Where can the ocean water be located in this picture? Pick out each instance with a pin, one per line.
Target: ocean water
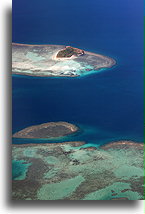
(106, 105)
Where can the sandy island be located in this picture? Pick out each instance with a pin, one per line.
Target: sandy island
(47, 130)
(56, 60)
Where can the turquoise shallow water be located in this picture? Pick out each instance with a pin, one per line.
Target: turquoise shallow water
(106, 194)
(90, 134)
(67, 171)
(19, 169)
(107, 105)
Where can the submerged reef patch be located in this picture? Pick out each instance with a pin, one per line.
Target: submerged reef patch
(67, 171)
(56, 61)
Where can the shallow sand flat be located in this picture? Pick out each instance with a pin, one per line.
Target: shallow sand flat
(67, 171)
(47, 130)
(40, 60)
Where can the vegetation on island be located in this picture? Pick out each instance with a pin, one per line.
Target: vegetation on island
(70, 51)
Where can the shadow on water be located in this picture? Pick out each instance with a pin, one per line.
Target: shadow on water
(8, 129)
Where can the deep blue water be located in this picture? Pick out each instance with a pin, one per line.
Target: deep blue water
(108, 105)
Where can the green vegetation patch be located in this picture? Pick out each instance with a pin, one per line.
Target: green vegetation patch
(68, 52)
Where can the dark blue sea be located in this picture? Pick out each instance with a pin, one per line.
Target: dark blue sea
(107, 106)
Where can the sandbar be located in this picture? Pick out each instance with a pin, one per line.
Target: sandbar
(56, 61)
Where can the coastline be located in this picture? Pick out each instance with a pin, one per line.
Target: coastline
(103, 56)
(109, 145)
(72, 143)
(40, 75)
(58, 67)
(125, 144)
(47, 130)
(31, 45)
